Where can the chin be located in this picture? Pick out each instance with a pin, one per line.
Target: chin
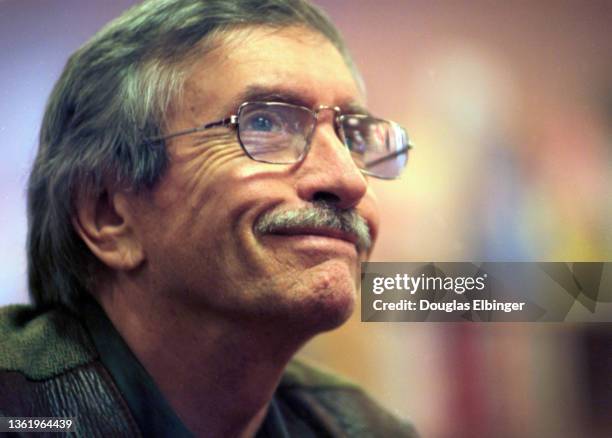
(329, 298)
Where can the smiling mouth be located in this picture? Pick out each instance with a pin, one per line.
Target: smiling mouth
(318, 231)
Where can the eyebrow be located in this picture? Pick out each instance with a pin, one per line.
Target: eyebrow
(259, 93)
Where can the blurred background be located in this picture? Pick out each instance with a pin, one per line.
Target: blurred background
(510, 106)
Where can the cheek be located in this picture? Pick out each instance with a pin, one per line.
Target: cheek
(368, 208)
(215, 195)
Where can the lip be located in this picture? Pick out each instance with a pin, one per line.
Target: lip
(318, 231)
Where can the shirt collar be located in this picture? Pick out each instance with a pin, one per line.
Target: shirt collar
(152, 412)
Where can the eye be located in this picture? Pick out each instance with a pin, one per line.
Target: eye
(354, 134)
(263, 122)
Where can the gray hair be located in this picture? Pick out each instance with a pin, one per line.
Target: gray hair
(112, 97)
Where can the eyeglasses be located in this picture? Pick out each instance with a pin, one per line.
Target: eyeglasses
(281, 133)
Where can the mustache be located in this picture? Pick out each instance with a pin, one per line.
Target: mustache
(319, 214)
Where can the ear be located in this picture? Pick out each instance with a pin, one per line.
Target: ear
(105, 223)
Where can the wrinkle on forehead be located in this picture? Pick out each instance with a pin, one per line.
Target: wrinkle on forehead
(234, 37)
(237, 58)
(303, 35)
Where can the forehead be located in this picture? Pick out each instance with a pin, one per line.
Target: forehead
(293, 61)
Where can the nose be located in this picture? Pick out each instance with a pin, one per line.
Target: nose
(328, 173)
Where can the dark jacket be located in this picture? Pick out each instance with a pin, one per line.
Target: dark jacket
(49, 367)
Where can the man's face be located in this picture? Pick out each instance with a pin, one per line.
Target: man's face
(197, 225)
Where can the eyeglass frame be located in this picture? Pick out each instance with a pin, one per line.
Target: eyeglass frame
(232, 121)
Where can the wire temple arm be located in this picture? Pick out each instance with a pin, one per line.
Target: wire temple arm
(390, 156)
(232, 120)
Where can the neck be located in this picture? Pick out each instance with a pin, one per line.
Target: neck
(218, 374)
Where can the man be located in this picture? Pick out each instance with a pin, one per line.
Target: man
(198, 209)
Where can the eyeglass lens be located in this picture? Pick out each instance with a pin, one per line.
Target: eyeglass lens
(279, 133)
(274, 133)
(378, 146)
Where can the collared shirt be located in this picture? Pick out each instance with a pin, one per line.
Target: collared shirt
(152, 412)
